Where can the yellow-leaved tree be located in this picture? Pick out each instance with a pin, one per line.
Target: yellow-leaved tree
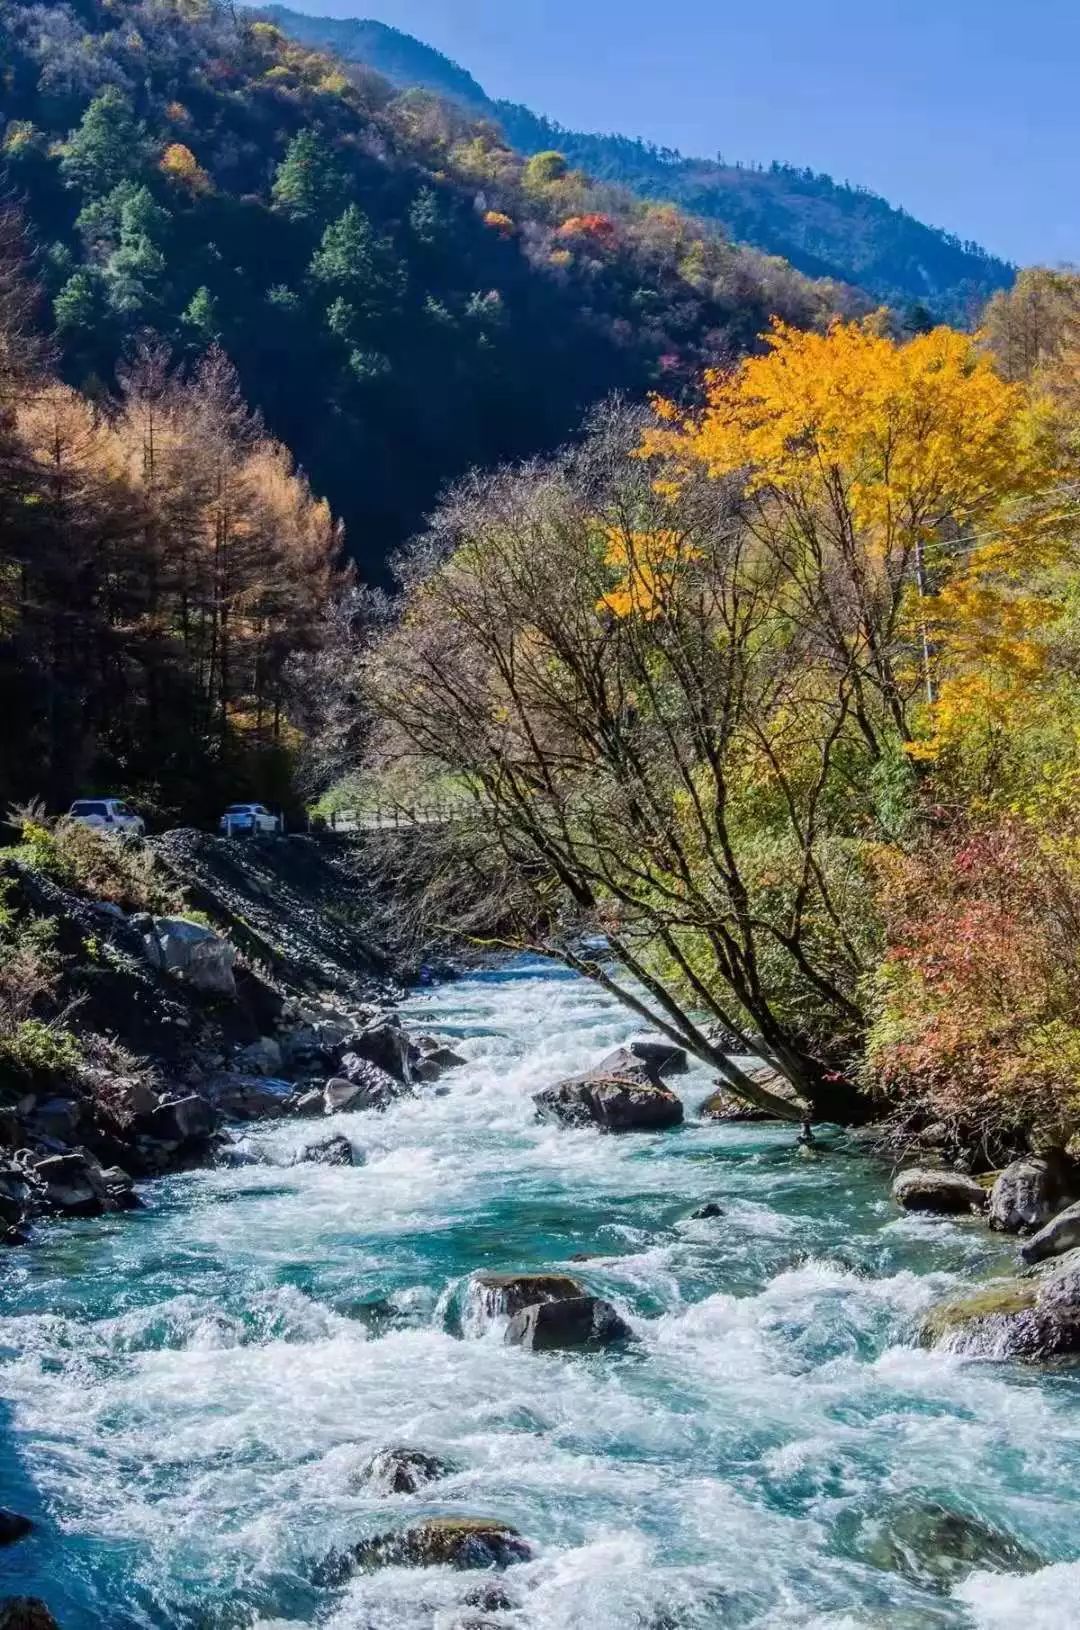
(892, 483)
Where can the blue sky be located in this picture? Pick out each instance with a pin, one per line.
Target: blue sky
(966, 112)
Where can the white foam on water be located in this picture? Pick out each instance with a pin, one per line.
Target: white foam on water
(194, 1395)
(1047, 1600)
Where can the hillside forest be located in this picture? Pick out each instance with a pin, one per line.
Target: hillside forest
(769, 676)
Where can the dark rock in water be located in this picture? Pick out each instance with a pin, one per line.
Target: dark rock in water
(454, 1542)
(67, 1186)
(642, 1061)
(944, 1192)
(360, 1086)
(13, 1526)
(1036, 1317)
(25, 1613)
(708, 1210)
(501, 1295)
(936, 1545)
(1028, 1193)
(309, 1103)
(1061, 1234)
(613, 1103)
(490, 1598)
(384, 1044)
(431, 1065)
(333, 1151)
(581, 1321)
(402, 1471)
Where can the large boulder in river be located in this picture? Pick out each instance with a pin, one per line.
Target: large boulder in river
(501, 1295)
(25, 1613)
(577, 1321)
(1034, 1317)
(1060, 1234)
(439, 1542)
(614, 1103)
(1028, 1193)
(335, 1150)
(948, 1193)
(401, 1471)
(642, 1061)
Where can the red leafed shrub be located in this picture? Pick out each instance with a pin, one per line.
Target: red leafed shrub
(977, 1003)
(600, 229)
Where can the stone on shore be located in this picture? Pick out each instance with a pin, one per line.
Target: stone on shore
(1029, 1192)
(945, 1193)
(191, 953)
(1060, 1234)
(384, 1044)
(1034, 1318)
(578, 1321)
(262, 1057)
(360, 1086)
(613, 1103)
(249, 1097)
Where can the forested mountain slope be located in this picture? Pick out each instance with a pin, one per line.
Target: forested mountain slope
(825, 228)
(403, 296)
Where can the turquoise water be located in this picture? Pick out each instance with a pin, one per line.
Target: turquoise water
(186, 1395)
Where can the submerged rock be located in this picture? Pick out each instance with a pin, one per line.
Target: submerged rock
(501, 1295)
(1061, 1234)
(937, 1545)
(579, 1321)
(704, 1213)
(13, 1526)
(402, 1471)
(613, 1103)
(434, 1062)
(332, 1151)
(25, 1613)
(1028, 1193)
(944, 1192)
(1035, 1317)
(449, 1542)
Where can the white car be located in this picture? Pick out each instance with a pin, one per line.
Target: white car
(107, 815)
(247, 819)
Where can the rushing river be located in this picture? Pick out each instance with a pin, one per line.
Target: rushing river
(187, 1394)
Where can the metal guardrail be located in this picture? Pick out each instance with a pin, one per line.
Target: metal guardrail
(391, 818)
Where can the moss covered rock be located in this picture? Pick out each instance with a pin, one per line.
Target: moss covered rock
(438, 1542)
(1036, 1317)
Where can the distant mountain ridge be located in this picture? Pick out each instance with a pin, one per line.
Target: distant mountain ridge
(823, 227)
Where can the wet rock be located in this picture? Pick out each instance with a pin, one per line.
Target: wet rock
(332, 1151)
(384, 1044)
(937, 1545)
(13, 1526)
(182, 1121)
(360, 1086)
(1028, 1193)
(708, 1210)
(613, 1103)
(491, 1598)
(455, 1542)
(643, 1061)
(946, 1193)
(192, 953)
(580, 1321)
(1036, 1317)
(430, 1065)
(311, 1102)
(262, 1057)
(68, 1190)
(248, 1097)
(402, 1471)
(25, 1613)
(1061, 1234)
(722, 1105)
(501, 1295)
